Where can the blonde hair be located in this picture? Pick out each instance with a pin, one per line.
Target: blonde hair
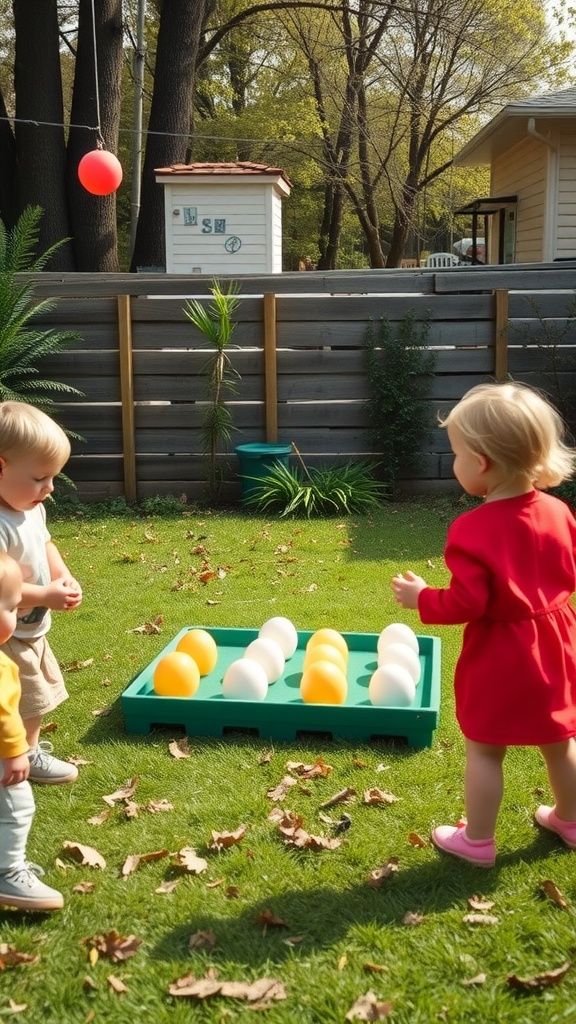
(515, 427)
(27, 430)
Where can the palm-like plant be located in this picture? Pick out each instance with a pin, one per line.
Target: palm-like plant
(216, 323)
(22, 344)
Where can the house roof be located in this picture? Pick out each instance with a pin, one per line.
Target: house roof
(238, 167)
(510, 125)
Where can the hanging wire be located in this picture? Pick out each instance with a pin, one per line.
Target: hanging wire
(100, 144)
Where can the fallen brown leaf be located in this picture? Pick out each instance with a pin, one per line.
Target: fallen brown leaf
(157, 806)
(78, 761)
(16, 1007)
(480, 919)
(131, 809)
(412, 919)
(101, 712)
(232, 892)
(342, 962)
(202, 988)
(215, 884)
(116, 984)
(345, 796)
(148, 627)
(85, 854)
(10, 957)
(186, 858)
(479, 979)
(84, 887)
(75, 666)
(553, 893)
(539, 981)
(378, 876)
(280, 791)
(415, 840)
(309, 771)
(99, 819)
(221, 840)
(478, 903)
(367, 1007)
(266, 758)
(359, 764)
(124, 793)
(379, 796)
(49, 727)
(268, 919)
(166, 887)
(134, 860)
(374, 968)
(179, 748)
(201, 939)
(113, 946)
(89, 984)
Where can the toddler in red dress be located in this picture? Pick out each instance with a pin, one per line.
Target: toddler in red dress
(512, 561)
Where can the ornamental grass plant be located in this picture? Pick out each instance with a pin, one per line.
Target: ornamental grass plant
(262, 908)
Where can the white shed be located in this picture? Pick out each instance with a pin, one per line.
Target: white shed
(223, 218)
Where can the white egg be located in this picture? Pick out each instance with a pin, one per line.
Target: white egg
(391, 686)
(269, 654)
(398, 633)
(402, 654)
(283, 632)
(245, 679)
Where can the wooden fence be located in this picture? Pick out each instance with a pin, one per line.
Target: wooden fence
(299, 350)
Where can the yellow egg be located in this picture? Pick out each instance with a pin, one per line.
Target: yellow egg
(176, 675)
(323, 683)
(325, 652)
(329, 636)
(201, 646)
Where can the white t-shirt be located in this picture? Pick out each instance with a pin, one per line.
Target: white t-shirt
(23, 536)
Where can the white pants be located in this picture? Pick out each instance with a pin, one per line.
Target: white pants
(16, 813)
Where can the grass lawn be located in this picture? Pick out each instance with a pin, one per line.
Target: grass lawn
(340, 938)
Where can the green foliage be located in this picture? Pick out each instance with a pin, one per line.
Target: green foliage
(216, 323)
(400, 368)
(349, 489)
(22, 346)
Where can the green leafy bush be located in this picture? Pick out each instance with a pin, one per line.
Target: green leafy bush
(350, 489)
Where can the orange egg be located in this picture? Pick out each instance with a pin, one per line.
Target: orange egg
(323, 683)
(176, 675)
(329, 636)
(201, 646)
(324, 652)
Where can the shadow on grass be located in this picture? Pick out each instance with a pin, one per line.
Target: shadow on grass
(323, 916)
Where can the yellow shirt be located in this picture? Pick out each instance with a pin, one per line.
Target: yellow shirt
(12, 733)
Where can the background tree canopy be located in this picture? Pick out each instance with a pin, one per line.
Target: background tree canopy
(362, 102)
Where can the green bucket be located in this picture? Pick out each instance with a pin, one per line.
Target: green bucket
(256, 462)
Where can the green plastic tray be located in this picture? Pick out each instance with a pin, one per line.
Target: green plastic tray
(283, 715)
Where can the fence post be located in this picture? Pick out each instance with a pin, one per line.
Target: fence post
(127, 397)
(270, 368)
(501, 334)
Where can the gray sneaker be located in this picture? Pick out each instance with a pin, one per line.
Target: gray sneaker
(47, 769)
(21, 888)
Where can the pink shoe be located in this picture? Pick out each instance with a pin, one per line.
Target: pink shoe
(451, 839)
(547, 818)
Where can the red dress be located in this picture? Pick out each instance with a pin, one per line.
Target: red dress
(513, 566)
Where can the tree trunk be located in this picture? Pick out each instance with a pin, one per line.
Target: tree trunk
(331, 228)
(402, 223)
(179, 34)
(93, 218)
(40, 148)
(8, 196)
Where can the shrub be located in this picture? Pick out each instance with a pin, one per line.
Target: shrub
(350, 489)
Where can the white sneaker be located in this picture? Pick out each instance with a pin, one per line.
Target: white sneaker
(21, 888)
(47, 769)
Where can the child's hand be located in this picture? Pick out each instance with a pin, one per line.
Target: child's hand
(407, 588)
(62, 595)
(16, 769)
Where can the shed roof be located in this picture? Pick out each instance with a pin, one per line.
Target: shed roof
(238, 167)
(510, 125)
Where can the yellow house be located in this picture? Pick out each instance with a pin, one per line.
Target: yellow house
(530, 214)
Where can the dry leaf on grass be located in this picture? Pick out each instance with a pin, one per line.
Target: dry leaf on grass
(102, 712)
(84, 887)
(268, 919)
(179, 748)
(49, 727)
(134, 860)
(166, 887)
(88, 984)
(148, 627)
(201, 988)
(16, 1007)
(415, 840)
(310, 771)
(85, 854)
(378, 876)
(186, 858)
(99, 819)
(368, 1007)
(157, 806)
(115, 947)
(345, 796)
(479, 979)
(411, 919)
(379, 796)
(481, 919)
(553, 893)
(202, 939)
(215, 884)
(10, 957)
(116, 984)
(221, 840)
(374, 968)
(478, 903)
(539, 981)
(124, 793)
(131, 809)
(359, 764)
(280, 791)
(232, 892)
(342, 962)
(78, 761)
(75, 666)
(266, 758)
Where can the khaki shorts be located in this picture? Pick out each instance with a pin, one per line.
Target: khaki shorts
(42, 682)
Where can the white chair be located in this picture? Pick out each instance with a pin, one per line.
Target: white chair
(442, 259)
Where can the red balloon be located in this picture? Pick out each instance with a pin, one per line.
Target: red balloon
(100, 172)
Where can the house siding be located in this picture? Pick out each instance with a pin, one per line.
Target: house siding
(566, 209)
(523, 171)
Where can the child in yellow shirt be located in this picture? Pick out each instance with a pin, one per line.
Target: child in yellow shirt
(20, 886)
